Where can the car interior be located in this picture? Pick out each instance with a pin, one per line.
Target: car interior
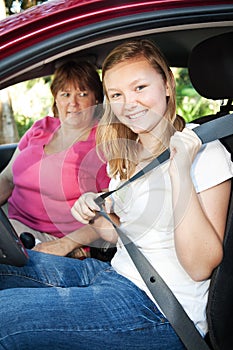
(203, 62)
(203, 52)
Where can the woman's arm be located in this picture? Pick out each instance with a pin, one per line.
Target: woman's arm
(199, 218)
(6, 180)
(62, 246)
(100, 228)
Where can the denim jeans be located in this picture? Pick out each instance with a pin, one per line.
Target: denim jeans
(61, 303)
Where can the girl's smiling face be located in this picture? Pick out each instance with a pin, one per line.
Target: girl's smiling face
(137, 94)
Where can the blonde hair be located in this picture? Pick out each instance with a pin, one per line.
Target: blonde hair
(114, 138)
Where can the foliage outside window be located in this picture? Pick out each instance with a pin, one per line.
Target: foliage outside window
(190, 105)
(37, 102)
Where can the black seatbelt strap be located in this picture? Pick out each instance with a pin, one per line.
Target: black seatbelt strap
(152, 165)
(210, 131)
(215, 129)
(166, 300)
(162, 294)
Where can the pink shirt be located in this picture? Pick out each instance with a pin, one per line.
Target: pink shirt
(46, 186)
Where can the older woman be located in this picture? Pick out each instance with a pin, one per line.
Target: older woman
(56, 161)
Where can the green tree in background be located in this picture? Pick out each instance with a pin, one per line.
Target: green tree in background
(190, 105)
(16, 6)
(38, 100)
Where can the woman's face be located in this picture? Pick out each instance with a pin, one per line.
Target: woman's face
(75, 106)
(137, 94)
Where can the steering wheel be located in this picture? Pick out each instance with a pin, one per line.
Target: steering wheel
(12, 250)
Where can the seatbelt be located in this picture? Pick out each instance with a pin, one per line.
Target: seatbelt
(164, 297)
(210, 131)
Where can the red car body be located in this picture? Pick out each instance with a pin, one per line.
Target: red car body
(39, 23)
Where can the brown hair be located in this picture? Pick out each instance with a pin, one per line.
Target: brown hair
(81, 73)
(114, 137)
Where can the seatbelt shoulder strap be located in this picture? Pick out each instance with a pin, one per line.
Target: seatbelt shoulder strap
(210, 131)
(172, 309)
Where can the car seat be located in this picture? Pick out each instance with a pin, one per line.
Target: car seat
(210, 70)
(211, 73)
(6, 152)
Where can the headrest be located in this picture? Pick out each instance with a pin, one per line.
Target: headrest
(211, 67)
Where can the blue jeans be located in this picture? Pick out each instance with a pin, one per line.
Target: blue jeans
(61, 303)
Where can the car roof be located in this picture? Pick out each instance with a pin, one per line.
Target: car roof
(35, 41)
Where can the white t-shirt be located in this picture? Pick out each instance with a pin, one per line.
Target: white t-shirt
(145, 211)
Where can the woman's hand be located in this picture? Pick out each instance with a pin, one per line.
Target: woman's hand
(59, 247)
(184, 147)
(85, 208)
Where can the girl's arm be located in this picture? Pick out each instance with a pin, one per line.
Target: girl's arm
(199, 218)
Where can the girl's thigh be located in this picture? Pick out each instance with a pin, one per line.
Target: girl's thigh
(46, 270)
(109, 313)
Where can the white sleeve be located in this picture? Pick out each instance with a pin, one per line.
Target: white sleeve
(211, 166)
